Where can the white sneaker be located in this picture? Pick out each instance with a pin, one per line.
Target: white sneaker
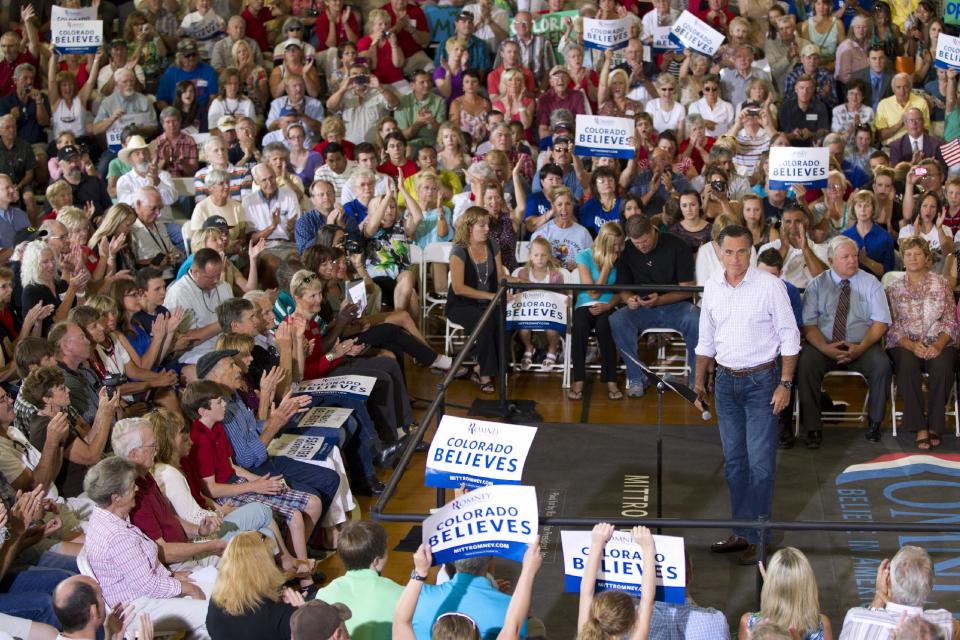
(635, 389)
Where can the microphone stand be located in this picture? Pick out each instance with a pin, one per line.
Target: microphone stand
(681, 390)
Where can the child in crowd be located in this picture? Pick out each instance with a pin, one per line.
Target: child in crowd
(542, 268)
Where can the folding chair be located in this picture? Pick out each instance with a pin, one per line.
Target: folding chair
(834, 416)
(952, 400)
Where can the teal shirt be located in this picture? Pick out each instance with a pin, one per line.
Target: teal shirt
(371, 599)
(585, 258)
(951, 127)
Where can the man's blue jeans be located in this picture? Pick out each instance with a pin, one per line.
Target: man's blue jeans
(28, 593)
(627, 324)
(749, 433)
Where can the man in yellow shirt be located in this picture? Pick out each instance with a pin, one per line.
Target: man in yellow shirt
(889, 120)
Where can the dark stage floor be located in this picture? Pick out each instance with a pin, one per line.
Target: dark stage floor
(592, 470)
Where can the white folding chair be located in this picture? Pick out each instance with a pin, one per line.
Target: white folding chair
(952, 400)
(667, 363)
(435, 252)
(834, 416)
(523, 251)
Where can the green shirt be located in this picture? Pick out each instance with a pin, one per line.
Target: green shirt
(115, 169)
(371, 599)
(951, 128)
(406, 115)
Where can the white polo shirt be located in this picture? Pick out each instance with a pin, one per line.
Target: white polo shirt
(201, 308)
(258, 212)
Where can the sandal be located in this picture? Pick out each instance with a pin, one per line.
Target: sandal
(925, 443)
(549, 362)
(575, 393)
(614, 393)
(934, 439)
(486, 387)
(463, 373)
(527, 361)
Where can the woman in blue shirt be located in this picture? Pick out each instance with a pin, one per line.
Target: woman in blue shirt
(876, 244)
(597, 265)
(604, 206)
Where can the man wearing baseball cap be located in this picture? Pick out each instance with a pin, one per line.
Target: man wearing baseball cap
(478, 50)
(559, 96)
(810, 65)
(188, 67)
(318, 620)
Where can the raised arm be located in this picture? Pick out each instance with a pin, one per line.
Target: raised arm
(643, 537)
(602, 533)
(407, 604)
(520, 601)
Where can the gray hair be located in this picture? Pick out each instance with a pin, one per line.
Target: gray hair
(141, 194)
(212, 141)
(694, 120)
(474, 566)
(22, 68)
(122, 72)
(911, 576)
(110, 477)
(359, 174)
(30, 262)
(126, 436)
(836, 242)
(216, 176)
(276, 147)
(860, 18)
(480, 171)
(261, 167)
(169, 112)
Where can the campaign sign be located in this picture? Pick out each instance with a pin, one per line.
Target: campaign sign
(807, 166)
(662, 40)
(606, 34)
(621, 566)
(352, 386)
(538, 311)
(499, 520)
(951, 12)
(476, 453)
(692, 32)
(77, 36)
(549, 25)
(948, 53)
(324, 417)
(61, 14)
(308, 448)
(604, 137)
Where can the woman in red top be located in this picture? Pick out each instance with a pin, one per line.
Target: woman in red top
(381, 50)
(336, 25)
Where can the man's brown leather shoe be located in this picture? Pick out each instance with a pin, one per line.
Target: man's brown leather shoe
(730, 545)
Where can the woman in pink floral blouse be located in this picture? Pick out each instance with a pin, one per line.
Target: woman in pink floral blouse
(922, 340)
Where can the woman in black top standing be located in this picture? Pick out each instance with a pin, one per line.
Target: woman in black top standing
(247, 602)
(475, 271)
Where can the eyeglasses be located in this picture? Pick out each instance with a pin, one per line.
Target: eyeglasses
(134, 293)
(711, 89)
(838, 187)
(189, 55)
(561, 149)
(295, 29)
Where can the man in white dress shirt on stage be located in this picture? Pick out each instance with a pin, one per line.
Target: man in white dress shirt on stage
(748, 327)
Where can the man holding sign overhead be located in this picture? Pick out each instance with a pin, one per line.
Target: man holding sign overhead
(747, 325)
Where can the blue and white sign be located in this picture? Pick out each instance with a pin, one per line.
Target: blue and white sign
(477, 453)
(604, 137)
(948, 53)
(309, 447)
(352, 386)
(606, 34)
(691, 32)
(61, 14)
(499, 520)
(324, 417)
(621, 566)
(76, 36)
(538, 311)
(662, 40)
(807, 166)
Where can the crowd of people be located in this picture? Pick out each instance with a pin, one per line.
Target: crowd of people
(227, 199)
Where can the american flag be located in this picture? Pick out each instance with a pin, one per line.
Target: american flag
(951, 152)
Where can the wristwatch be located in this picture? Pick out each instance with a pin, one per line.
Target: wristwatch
(786, 384)
(416, 576)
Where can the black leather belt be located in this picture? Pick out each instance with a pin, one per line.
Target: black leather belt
(739, 373)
